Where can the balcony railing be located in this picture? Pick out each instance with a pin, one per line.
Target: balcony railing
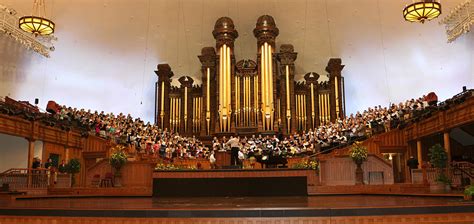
(24, 179)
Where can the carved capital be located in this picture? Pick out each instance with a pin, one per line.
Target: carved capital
(287, 56)
(246, 67)
(311, 78)
(186, 81)
(266, 30)
(164, 72)
(208, 57)
(224, 32)
(334, 67)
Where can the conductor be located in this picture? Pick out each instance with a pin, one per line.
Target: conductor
(234, 150)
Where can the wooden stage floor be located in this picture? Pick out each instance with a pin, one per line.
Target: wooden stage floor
(314, 209)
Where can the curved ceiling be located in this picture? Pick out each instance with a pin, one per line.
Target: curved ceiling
(108, 49)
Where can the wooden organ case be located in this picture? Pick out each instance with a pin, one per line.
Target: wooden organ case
(248, 96)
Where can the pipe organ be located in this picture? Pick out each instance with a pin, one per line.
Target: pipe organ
(247, 96)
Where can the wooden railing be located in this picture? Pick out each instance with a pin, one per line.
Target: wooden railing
(24, 179)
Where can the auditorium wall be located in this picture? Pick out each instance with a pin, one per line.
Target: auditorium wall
(14, 152)
(107, 50)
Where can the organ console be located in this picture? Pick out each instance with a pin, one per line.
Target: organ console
(247, 96)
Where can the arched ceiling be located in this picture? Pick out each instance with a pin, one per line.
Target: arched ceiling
(114, 46)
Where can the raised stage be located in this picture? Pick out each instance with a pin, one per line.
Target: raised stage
(312, 209)
(238, 182)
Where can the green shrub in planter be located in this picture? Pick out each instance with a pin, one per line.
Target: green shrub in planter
(73, 167)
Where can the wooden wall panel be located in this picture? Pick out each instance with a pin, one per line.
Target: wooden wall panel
(49, 148)
(134, 174)
(340, 170)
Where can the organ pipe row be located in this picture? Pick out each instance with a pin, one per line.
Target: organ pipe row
(267, 86)
(301, 111)
(324, 108)
(175, 114)
(197, 104)
(225, 108)
(245, 111)
(261, 96)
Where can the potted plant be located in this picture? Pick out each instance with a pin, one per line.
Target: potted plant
(358, 153)
(73, 167)
(117, 160)
(439, 159)
(468, 193)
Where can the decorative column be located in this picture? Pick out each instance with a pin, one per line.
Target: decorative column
(31, 156)
(419, 154)
(447, 145)
(287, 58)
(334, 69)
(224, 32)
(312, 101)
(162, 102)
(266, 31)
(187, 104)
(209, 96)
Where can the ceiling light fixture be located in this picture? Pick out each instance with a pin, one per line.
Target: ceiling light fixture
(422, 10)
(36, 23)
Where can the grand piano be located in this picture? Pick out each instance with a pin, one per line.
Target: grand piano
(271, 161)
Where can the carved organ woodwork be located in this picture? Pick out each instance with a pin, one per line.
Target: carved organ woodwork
(248, 96)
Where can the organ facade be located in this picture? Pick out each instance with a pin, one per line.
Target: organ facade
(248, 96)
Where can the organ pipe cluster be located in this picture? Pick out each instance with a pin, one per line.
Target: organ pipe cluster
(248, 96)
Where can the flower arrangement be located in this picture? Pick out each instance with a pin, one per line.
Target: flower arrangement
(469, 192)
(163, 166)
(358, 152)
(309, 164)
(169, 166)
(118, 157)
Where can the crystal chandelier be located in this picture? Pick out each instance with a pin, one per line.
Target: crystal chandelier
(422, 10)
(36, 23)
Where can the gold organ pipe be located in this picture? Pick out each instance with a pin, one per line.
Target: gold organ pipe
(175, 113)
(256, 104)
(196, 116)
(247, 98)
(228, 84)
(229, 106)
(304, 112)
(185, 107)
(288, 110)
(208, 100)
(237, 99)
(221, 86)
(337, 96)
(301, 111)
(224, 92)
(171, 114)
(179, 114)
(262, 62)
(319, 109)
(329, 108)
(300, 118)
(270, 83)
(208, 91)
(199, 113)
(267, 89)
(162, 114)
(312, 104)
(249, 105)
(324, 108)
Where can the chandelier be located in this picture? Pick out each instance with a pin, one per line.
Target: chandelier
(422, 10)
(36, 23)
